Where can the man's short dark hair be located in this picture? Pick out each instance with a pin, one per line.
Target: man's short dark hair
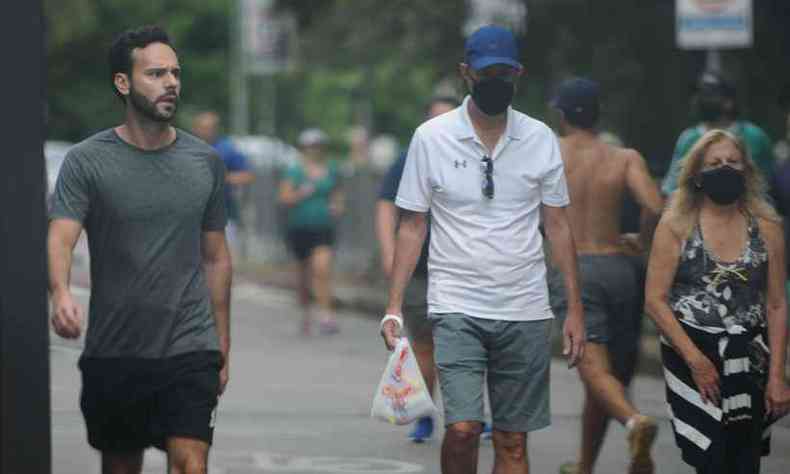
(120, 57)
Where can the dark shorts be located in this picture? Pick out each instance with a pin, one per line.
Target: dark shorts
(132, 404)
(415, 310)
(302, 241)
(512, 357)
(612, 288)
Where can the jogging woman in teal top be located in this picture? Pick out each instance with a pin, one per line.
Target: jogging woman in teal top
(310, 190)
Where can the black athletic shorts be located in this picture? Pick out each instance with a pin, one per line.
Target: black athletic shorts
(302, 241)
(131, 404)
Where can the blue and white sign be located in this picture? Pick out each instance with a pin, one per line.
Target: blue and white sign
(714, 24)
(268, 38)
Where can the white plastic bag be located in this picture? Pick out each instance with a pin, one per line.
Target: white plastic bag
(402, 396)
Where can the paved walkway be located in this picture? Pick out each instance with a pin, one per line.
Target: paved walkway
(301, 405)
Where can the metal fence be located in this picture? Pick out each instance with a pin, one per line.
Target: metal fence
(262, 234)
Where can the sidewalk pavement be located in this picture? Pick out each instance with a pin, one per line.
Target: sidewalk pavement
(301, 404)
(367, 294)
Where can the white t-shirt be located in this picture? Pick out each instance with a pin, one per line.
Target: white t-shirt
(486, 255)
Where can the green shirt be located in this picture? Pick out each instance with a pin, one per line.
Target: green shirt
(313, 211)
(756, 140)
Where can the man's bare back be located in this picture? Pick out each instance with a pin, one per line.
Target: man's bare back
(598, 177)
(611, 279)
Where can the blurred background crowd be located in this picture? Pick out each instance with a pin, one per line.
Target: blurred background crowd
(363, 71)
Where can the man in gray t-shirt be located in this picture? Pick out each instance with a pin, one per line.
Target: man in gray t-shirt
(150, 198)
(144, 212)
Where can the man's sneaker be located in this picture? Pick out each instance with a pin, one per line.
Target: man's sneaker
(486, 433)
(423, 430)
(640, 440)
(570, 468)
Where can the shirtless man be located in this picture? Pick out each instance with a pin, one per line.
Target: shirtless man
(599, 175)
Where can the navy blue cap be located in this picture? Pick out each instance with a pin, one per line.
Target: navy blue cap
(491, 45)
(711, 83)
(578, 98)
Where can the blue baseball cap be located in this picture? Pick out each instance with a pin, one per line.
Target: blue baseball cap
(713, 84)
(491, 45)
(578, 98)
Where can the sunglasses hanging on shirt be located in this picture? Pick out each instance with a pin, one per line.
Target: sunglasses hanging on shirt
(487, 166)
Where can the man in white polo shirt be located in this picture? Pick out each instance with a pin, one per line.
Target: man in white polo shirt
(485, 172)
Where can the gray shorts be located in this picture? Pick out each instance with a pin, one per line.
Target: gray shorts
(415, 310)
(512, 356)
(612, 288)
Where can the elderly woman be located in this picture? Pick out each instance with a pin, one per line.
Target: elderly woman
(715, 290)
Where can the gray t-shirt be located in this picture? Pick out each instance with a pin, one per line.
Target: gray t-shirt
(144, 213)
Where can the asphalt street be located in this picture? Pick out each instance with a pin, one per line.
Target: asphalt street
(301, 405)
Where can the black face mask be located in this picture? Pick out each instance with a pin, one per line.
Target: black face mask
(723, 185)
(493, 95)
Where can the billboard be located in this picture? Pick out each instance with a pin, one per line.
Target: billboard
(713, 24)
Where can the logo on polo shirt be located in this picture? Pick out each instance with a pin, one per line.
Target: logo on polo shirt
(459, 163)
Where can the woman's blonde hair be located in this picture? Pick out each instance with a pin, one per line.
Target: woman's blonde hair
(684, 207)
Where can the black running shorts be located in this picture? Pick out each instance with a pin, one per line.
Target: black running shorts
(302, 242)
(131, 404)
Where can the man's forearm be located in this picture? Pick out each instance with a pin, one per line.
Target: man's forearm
(564, 256)
(648, 221)
(60, 256)
(411, 236)
(566, 261)
(386, 225)
(219, 275)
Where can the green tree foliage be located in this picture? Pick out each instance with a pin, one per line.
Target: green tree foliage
(646, 80)
(79, 34)
(400, 49)
(372, 63)
(376, 62)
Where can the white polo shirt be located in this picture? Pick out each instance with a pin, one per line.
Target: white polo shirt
(486, 255)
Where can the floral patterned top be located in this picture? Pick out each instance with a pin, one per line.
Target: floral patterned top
(722, 307)
(715, 296)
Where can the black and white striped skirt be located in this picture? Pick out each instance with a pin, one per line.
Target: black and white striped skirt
(704, 431)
